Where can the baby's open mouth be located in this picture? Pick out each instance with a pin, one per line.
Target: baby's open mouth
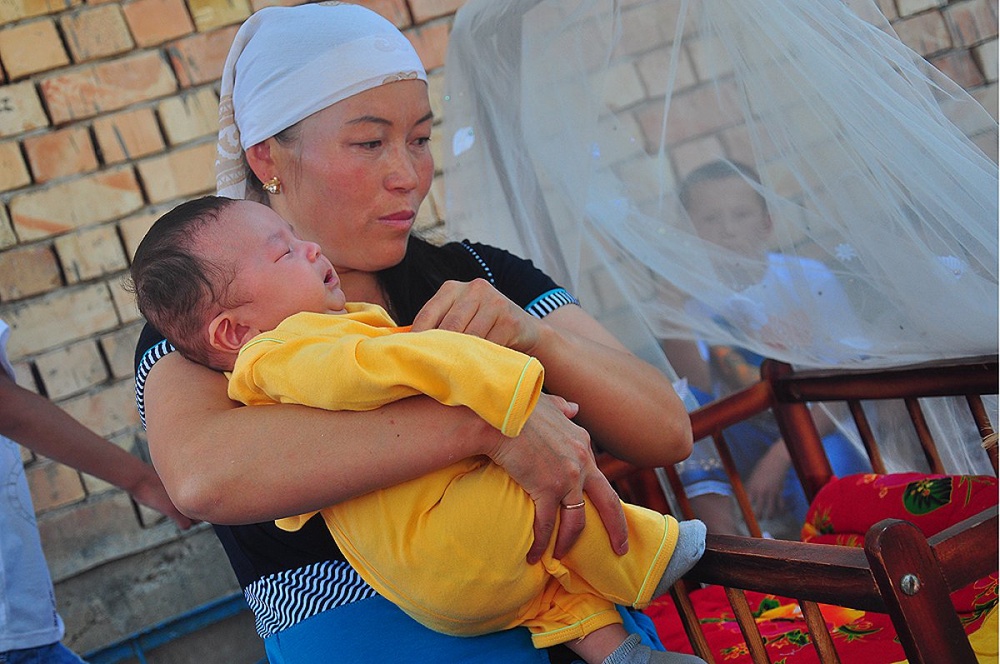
(328, 277)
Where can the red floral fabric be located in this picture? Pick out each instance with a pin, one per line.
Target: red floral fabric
(841, 514)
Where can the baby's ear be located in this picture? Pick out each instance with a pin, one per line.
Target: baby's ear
(227, 334)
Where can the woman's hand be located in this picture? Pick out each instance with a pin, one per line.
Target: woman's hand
(553, 462)
(479, 309)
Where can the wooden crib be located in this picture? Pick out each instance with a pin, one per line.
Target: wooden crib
(899, 572)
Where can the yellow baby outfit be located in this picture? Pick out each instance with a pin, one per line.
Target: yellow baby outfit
(449, 547)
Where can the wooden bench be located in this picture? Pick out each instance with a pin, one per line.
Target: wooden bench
(898, 572)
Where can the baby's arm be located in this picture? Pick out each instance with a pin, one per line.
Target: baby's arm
(338, 364)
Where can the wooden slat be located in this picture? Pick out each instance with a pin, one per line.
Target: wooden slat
(924, 435)
(751, 633)
(867, 437)
(692, 626)
(739, 491)
(818, 633)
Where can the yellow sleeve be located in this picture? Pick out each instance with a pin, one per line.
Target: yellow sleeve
(337, 363)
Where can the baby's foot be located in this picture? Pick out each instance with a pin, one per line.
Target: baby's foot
(690, 547)
(632, 651)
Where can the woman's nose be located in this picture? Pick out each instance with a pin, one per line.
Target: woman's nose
(402, 173)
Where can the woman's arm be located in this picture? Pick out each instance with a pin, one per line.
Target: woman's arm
(229, 464)
(626, 404)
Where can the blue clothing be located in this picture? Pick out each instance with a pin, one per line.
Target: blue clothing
(54, 653)
(376, 630)
(702, 473)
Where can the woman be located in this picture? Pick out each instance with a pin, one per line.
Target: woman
(325, 117)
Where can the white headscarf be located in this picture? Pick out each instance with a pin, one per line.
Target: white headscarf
(287, 63)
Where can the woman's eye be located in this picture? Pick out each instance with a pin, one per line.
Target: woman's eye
(425, 140)
(370, 145)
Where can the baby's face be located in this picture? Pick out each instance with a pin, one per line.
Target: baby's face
(730, 214)
(277, 274)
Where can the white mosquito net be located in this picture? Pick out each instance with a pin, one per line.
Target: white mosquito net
(782, 176)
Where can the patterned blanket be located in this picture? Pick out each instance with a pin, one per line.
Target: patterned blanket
(841, 514)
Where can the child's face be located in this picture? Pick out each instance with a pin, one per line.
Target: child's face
(277, 274)
(730, 213)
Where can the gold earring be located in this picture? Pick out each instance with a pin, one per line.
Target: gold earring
(273, 186)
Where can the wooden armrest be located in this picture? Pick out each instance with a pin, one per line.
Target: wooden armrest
(968, 550)
(817, 572)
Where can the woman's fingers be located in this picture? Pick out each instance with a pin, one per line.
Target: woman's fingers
(477, 308)
(553, 462)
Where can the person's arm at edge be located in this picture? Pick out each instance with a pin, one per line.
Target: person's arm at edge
(41, 426)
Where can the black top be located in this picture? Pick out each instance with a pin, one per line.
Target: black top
(262, 550)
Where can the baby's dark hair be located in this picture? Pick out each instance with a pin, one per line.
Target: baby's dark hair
(717, 170)
(177, 290)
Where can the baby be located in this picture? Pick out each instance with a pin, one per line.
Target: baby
(232, 287)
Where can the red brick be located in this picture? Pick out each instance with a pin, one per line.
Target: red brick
(20, 109)
(960, 67)
(190, 116)
(91, 253)
(431, 43)
(40, 323)
(925, 33)
(888, 9)
(30, 48)
(60, 153)
(96, 33)
(106, 411)
(107, 86)
(157, 21)
(692, 114)
(257, 5)
(910, 7)
(7, 237)
(134, 228)
(395, 11)
(986, 56)
(25, 377)
(180, 173)
(972, 21)
(71, 369)
(28, 271)
(13, 170)
(15, 10)
(128, 135)
(53, 485)
(119, 349)
(124, 302)
(199, 59)
(424, 10)
(76, 203)
(211, 14)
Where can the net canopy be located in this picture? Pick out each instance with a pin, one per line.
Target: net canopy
(781, 176)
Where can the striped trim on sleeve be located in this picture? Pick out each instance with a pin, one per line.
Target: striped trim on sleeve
(149, 358)
(548, 302)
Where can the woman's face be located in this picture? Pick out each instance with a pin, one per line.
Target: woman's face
(354, 179)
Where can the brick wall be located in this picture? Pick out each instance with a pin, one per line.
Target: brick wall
(108, 118)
